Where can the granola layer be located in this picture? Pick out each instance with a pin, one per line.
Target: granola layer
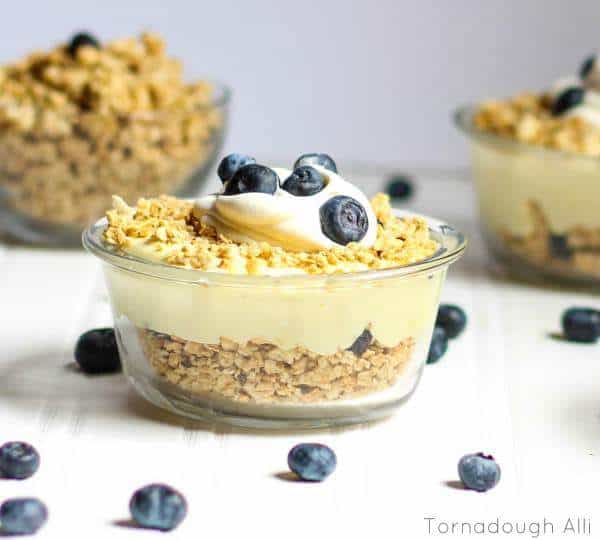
(260, 372)
(165, 230)
(76, 128)
(574, 251)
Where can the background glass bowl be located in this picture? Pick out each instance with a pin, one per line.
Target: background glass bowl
(48, 199)
(538, 207)
(275, 352)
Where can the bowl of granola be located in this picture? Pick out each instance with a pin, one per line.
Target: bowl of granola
(536, 167)
(87, 119)
(286, 300)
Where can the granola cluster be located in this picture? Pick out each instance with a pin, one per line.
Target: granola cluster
(169, 232)
(528, 118)
(260, 372)
(577, 251)
(77, 125)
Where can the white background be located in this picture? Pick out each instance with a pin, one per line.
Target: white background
(368, 81)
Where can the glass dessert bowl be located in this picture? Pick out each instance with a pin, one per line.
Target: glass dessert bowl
(535, 162)
(86, 120)
(288, 340)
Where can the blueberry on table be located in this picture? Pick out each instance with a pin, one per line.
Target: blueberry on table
(581, 324)
(438, 345)
(252, 178)
(82, 39)
(567, 99)
(478, 472)
(452, 319)
(322, 160)
(22, 516)
(231, 163)
(96, 351)
(18, 460)
(343, 220)
(399, 187)
(587, 66)
(312, 462)
(158, 506)
(304, 181)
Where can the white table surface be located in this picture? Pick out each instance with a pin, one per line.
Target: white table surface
(504, 387)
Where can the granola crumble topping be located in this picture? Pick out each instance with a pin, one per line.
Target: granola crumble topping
(528, 118)
(76, 127)
(169, 232)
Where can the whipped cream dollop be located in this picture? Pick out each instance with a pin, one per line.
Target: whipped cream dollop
(282, 219)
(579, 95)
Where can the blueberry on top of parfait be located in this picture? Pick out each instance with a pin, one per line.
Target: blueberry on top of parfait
(231, 163)
(567, 99)
(322, 160)
(343, 220)
(587, 66)
(82, 39)
(304, 181)
(252, 178)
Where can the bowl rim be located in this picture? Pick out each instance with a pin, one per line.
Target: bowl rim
(222, 93)
(452, 245)
(462, 118)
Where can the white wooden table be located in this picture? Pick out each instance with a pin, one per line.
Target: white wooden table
(504, 387)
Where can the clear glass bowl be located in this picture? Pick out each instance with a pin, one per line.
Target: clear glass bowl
(52, 188)
(262, 351)
(539, 207)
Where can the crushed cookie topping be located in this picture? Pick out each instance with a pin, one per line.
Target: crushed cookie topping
(42, 93)
(168, 222)
(528, 118)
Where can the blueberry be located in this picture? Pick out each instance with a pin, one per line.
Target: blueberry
(438, 345)
(587, 66)
(567, 99)
(304, 181)
(361, 343)
(22, 516)
(96, 351)
(316, 159)
(581, 324)
(157, 506)
(231, 163)
(82, 39)
(559, 247)
(252, 178)
(343, 220)
(311, 461)
(18, 460)
(399, 187)
(479, 472)
(452, 319)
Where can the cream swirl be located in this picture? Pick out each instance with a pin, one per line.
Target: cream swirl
(281, 219)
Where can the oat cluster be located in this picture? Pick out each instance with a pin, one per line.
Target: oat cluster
(76, 128)
(527, 118)
(169, 232)
(580, 246)
(260, 372)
